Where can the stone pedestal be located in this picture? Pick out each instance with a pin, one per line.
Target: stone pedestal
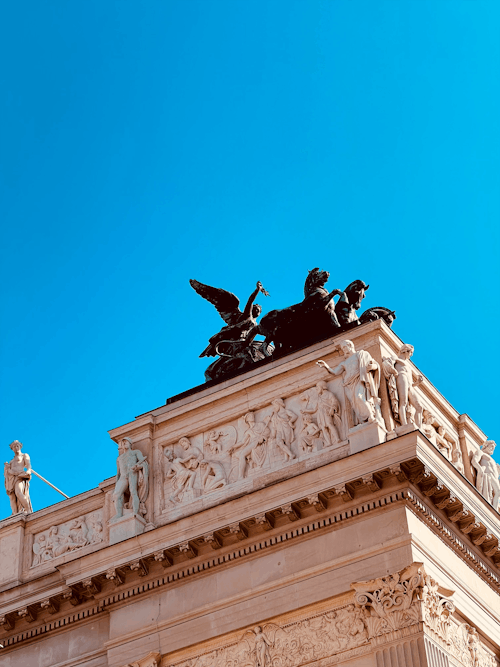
(129, 525)
(365, 436)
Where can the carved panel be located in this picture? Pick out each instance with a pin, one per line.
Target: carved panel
(283, 433)
(314, 638)
(68, 536)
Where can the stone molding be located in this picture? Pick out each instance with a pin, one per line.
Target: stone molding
(385, 611)
(287, 522)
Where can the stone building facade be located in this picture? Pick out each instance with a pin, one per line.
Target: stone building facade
(278, 527)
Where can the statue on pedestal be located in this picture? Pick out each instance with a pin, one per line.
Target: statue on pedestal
(131, 480)
(361, 379)
(405, 403)
(17, 474)
(487, 482)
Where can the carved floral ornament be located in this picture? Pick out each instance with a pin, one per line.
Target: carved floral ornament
(382, 608)
(282, 433)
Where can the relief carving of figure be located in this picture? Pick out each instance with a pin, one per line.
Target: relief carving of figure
(17, 474)
(253, 447)
(261, 644)
(282, 427)
(40, 550)
(191, 452)
(405, 403)
(218, 441)
(67, 537)
(310, 434)
(447, 444)
(361, 380)
(132, 479)
(213, 476)
(487, 482)
(327, 412)
(213, 442)
(182, 472)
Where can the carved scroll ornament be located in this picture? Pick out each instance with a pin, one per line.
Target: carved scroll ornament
(403, 599)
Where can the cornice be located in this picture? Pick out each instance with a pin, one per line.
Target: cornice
(419, 486)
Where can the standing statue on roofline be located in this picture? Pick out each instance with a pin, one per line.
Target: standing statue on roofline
(17, 475)
(132, 480)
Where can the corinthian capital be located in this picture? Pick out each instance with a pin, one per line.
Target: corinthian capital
(399, 600)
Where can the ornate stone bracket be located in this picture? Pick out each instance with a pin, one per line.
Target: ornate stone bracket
(403, 599)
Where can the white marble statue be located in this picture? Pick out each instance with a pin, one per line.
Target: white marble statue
(253, 447)
(361, 380)
(213, 476)
(17, 474)
(282, 427)
(327, 411)
(182, 473)
(488, 471)
(405, 403)
(132, 478)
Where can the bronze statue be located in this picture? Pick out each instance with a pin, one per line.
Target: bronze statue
(312, 319)
(235, 342)
(316, 317)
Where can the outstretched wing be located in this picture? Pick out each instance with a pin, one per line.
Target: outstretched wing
(225, 302)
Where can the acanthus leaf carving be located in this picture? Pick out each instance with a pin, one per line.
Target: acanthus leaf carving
(295, 644)
(403, 599)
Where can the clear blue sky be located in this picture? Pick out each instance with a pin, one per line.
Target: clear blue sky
(146, 143)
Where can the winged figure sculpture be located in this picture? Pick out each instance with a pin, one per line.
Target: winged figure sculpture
(235, 340)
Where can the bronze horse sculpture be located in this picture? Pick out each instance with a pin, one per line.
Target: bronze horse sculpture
(316, 317)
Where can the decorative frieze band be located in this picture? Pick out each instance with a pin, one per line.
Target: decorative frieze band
(254, 528)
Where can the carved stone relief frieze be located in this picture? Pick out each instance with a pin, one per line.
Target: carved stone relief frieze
(282, 433)
(442, 439)
(313, 638)
(382, 611)
(410, 597)
(68, 536)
